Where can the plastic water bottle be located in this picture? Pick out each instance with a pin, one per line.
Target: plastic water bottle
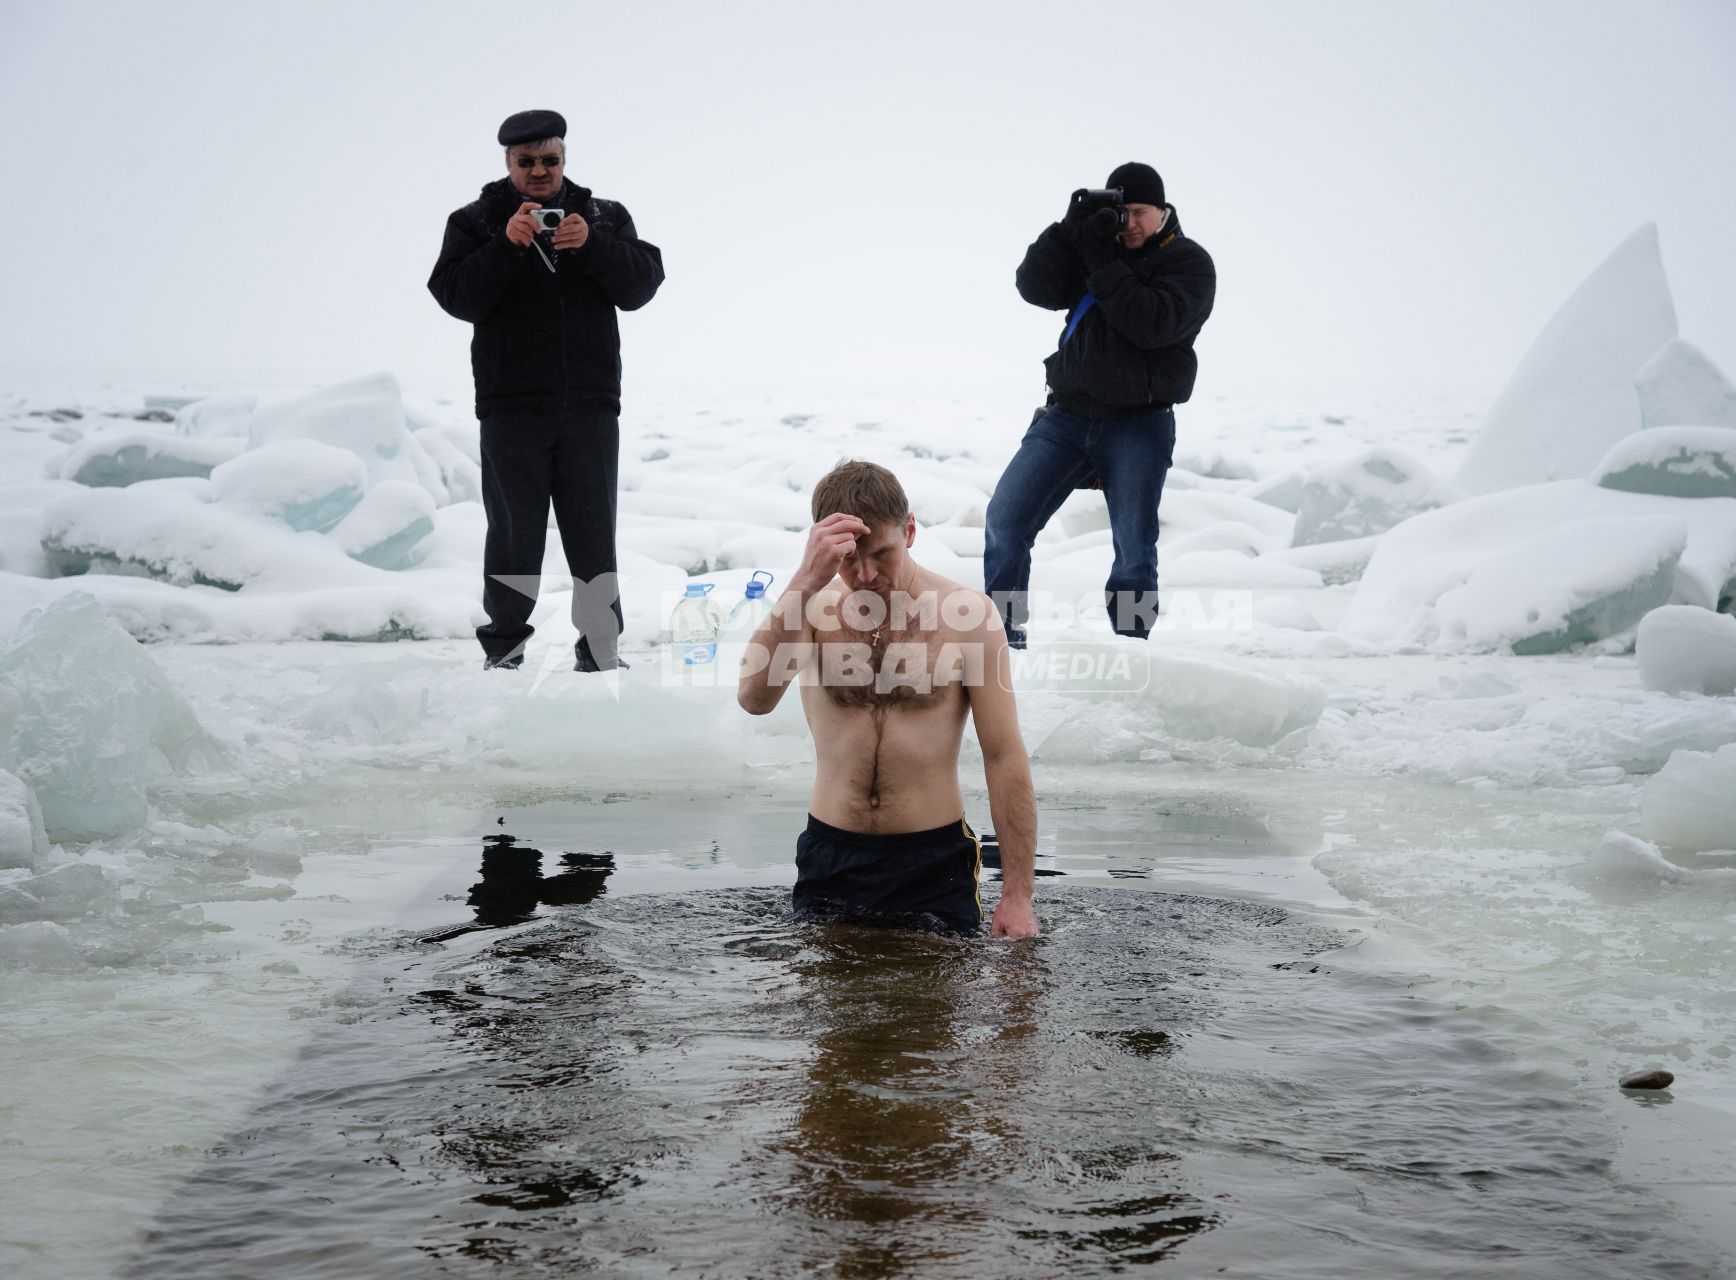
(752, 608)
(694, 624)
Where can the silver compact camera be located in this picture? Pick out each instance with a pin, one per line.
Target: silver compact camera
(547, 219)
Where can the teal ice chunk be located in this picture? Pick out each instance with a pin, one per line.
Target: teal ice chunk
(1674, 462)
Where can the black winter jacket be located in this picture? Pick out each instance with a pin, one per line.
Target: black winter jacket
(1134, 348)
(543, 337)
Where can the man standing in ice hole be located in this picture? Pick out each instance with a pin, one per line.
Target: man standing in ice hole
(541, 266)
(891, 659)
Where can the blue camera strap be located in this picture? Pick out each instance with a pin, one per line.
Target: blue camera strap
(1085, 304)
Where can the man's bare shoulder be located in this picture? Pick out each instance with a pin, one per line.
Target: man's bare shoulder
(965, 611)
(929, 580)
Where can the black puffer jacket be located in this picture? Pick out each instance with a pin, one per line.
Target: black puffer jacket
(543, 337)
(1134, 348)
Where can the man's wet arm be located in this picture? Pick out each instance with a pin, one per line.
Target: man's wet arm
(1006, 767)
(780, 648)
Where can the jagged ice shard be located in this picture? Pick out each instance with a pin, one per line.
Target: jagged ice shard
(23, 838)
(1573, 395)
(88, 720)
(1690, 804)
(1681, 387)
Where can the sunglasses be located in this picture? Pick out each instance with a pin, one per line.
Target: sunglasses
(531, 162)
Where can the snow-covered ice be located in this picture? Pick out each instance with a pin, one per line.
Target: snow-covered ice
(1678, 462)
(1190, 511)
(1573, 395)
(1680, 386)
(1215, 460)
(171, 530)
(457, 454)
(1366, 495)
(1566, 586)
(224, 415)
(303, 483)
(365, 416)
(1282, 490)
(1236, 569)
(1422, 560)
(1336, 562)
(127, 457)
(1686, 649)
(384, 528)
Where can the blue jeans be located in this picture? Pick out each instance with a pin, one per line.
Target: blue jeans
(1131, 457)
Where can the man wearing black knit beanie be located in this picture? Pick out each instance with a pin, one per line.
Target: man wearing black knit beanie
(1136, 291)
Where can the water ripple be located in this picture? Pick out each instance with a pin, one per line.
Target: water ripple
(690, 1084)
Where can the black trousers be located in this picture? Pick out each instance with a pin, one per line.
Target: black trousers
(567, 455)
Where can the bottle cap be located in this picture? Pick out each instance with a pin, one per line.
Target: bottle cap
(755, 588)
(698, 589)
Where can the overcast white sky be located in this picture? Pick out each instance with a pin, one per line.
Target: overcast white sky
(1393, 192)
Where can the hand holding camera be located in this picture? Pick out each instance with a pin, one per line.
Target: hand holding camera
(571, 231)
(523, 226)
(1078, 209)
(532, 223)
(1101, 218)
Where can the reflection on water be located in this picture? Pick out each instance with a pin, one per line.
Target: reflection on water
(894, 1126)
(513, 885)
(690, 1084)
(915, 1109)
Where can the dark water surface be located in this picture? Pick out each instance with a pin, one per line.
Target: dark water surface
(688, 1084)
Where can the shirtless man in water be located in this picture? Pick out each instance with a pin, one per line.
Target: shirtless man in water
(892, 659)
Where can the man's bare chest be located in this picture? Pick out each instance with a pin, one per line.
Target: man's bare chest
(912, 669)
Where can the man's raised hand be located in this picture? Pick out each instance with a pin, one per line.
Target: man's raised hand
(829, 542)
(1078, 209)
(520, 229)
(1095, 238)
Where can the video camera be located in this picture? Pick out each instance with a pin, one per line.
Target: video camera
(1088, 201)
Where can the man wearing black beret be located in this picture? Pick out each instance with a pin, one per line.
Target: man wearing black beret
(1136, 291)
(546, 355)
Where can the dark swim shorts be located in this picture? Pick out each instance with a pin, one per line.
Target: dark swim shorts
(917, 879)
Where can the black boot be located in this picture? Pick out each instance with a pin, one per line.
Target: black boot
(583, 661)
